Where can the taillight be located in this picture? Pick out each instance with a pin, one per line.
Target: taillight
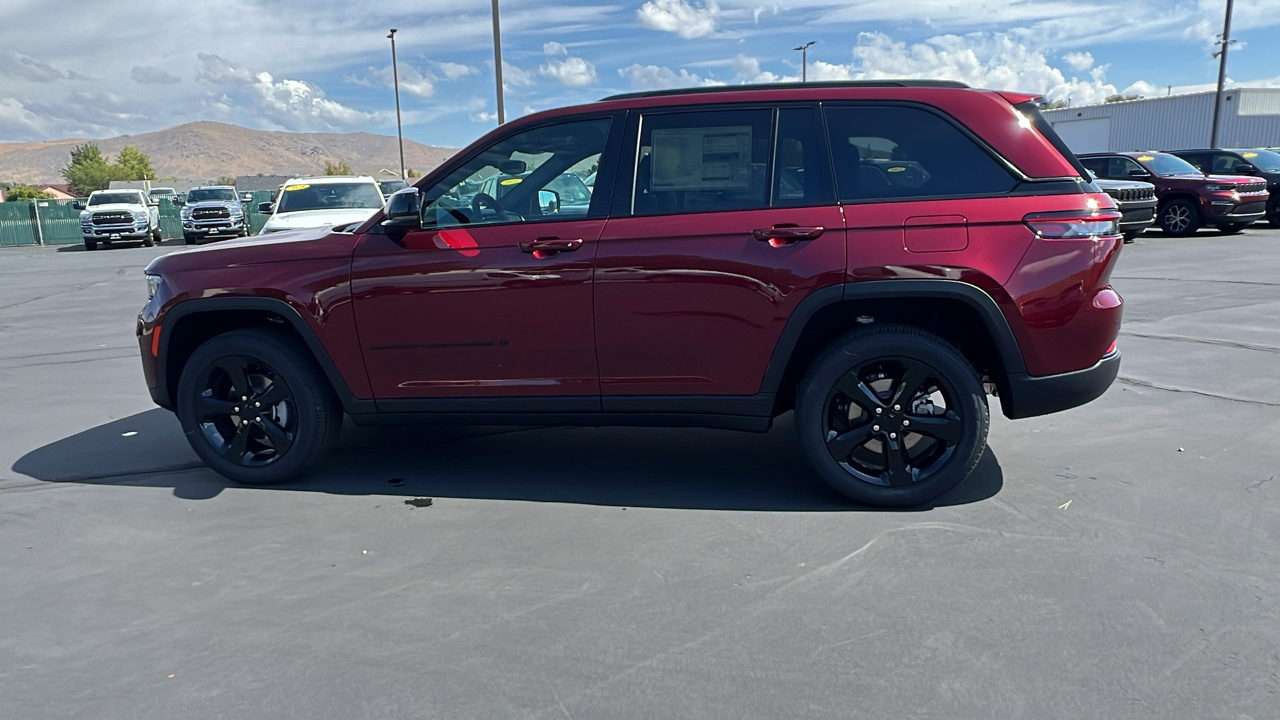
(1074, 225)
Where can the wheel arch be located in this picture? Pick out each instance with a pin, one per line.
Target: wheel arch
(191, 323)
(962, 314)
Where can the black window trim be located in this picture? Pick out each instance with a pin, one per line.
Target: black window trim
(1017, 176)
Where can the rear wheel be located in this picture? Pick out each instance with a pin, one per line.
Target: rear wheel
(1180, 218)
(255, 407)
(892, 416)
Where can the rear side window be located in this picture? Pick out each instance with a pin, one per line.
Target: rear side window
(1114, 167)
(901, 152)
(708, 161)
(1200, 160)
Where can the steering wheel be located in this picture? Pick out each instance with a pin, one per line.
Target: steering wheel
(481, 200)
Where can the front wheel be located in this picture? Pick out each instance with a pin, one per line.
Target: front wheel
(1180, 218)
(892, 416)
(255, 407)
(1232, 228)
(90, 244)
(1273, 212)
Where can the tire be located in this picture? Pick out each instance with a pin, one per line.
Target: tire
(156, 237)
(297, 423)
(871, 364)
(1273, 212)
(149, 240)
(90, 244)
(1232, 228)
(1129, 236)
(1179, 218)
(189, 239)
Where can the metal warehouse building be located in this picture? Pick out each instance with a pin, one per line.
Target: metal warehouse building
(1250, 118)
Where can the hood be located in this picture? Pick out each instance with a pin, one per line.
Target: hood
(212, 204)
(318, 218)
(1235, 179)
(309, 244)
(1123, 184)
(115, 207)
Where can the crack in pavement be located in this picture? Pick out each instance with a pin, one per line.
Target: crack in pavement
(1223, 343)
(1199, 280)
(1157, 386)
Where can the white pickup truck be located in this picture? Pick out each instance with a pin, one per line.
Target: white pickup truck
(119, 215)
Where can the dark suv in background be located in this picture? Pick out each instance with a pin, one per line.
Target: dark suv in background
(1257, 162)
(1188, 199)
(876, 257)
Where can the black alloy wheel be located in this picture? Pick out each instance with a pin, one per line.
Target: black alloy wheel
(1180, 218)
(892, 416)
(255, 407)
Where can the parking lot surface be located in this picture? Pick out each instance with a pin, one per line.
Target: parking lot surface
(1118, 560)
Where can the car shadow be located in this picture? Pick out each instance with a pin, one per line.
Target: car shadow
(626, 467)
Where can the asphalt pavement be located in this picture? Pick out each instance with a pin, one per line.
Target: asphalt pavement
(1119, 560)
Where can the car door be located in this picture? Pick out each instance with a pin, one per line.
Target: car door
(725, 222)
(489, 298)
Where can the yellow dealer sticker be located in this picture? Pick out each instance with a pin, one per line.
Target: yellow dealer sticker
(511, 181)
(897, 168)
(1251, 155)
(1147, 158)
(291, 188)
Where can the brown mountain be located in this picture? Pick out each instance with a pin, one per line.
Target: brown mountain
(209, 150)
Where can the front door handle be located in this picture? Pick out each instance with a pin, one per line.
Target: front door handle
(548, 246)
(786, 234)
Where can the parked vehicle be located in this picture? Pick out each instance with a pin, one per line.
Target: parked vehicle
(321, 201)
(1257, 162)
(213, 211)
(390, 187)
(1188, 199)
(569, 194)
(737, 260)
(1137, 204)
(163, 193)
(114, 215)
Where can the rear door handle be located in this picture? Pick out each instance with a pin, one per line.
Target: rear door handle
(786, 234)
(548, 246)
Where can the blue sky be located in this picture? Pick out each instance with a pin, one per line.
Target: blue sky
(111, 67)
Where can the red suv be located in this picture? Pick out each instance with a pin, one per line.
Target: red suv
(1188, 198)
(877, 257)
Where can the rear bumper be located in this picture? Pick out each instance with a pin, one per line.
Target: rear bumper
(1137, 215)
(1029, 396)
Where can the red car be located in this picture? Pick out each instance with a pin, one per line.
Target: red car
(877, 257)
(1188, 198)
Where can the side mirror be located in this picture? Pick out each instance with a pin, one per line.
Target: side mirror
(549, 201)
(246, 198)
(264, 208)
(153, 203)
(403, 213)
(1245, 169)
(78, 204)
(1139, 173)
(179, 202)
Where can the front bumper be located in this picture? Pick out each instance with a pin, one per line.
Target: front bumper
(1137, 215)
(214, 227)
(1247, 209)
(1029, 396)
(132, 231)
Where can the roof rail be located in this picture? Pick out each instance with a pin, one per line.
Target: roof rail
(790, 86)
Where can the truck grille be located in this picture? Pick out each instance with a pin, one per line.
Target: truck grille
(1250, 208)
(210, 213)
(1252, 188)
(1132, 194)
(112, 218)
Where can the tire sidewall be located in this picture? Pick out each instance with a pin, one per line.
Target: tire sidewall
(858, 348)
(318, 415)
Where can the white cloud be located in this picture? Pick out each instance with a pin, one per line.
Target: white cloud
(745, 67)
(568, 69)
(514, 77)
(484, 116)
(453, 71)
(656, 77)
(1078, 60)
(679, 17)
(1143, 88)
(413, 82)
(24, 67)
(16, 121)
(149, 75)
(298, 105)
(215, 69)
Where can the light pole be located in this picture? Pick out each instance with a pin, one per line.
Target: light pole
(395, 74)
(497, 62)
(804, 58)
(1222, 73)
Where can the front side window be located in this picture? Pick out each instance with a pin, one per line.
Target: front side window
(884, 153)
(533, 175)
(710, 161)
(329, 196)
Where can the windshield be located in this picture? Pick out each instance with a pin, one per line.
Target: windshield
(1165, 165)
(571, 189)
(115, 199)
(329, 196)
(163, 191)
(391, 186)
(1265, 160)
(211, 195)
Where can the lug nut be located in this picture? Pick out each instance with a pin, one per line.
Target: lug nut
(896, 408)
(893, 436)
(235, 409)
(257, 419)
(257, 404)
(906, 423)
(875, 428)
(879, 410)
(243, 398)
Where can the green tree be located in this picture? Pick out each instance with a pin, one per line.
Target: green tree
(88, 170)
(22, 193)
(337, 168)
(225, 180)
(134, 164)
(1122, 98)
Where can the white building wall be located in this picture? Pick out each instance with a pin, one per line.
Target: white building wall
(1250, 118)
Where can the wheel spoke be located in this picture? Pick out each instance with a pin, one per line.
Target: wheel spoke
(239, 443)
(857, 391)
(895, 463)
(843, 445)
(946, 428)
(238, 370)
(209, 407)
(913, 377)
(273, 395)
(277, 437)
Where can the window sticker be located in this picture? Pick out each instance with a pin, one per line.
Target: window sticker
(1147, 158)
(897, 168)
(291, 188)
(701, 158)
(1251, 154)
(511, 181)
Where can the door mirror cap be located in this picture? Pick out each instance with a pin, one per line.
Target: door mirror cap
(265, 207)
(78, 204)
(403, 213)
(548, 201)
(1244, 169)
(179, 202)
(246, 198)
(1139, 173)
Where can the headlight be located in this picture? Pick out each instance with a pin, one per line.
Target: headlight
(153, 285)
(1219, 188)
(139, 216)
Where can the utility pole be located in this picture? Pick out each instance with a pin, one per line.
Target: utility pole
(1224, 44)
(497, 62)
(395, 74)
(804, 58)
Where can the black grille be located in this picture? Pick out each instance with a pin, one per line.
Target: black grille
(1132, 194)
(1255, 188)
(1250, 208)
(112, 218)
(210, 213)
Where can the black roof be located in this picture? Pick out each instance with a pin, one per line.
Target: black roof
(789, 86)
